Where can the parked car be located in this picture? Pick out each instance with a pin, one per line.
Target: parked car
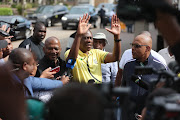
(108, 7)
(20, 27)
(48, 14)
(72, 18)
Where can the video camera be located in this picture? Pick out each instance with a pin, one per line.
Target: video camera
(169, 77)
(143, 9)
(12, 26)
(119, 108)
(164, 108)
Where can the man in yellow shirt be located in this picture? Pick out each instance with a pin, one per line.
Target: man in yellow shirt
(88, 61)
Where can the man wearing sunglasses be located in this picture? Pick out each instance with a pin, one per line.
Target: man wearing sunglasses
(141, 53)
(127, 56)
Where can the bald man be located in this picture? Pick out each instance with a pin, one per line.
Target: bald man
(127, 55)
(23, 62)
(23, 65)
(52, 50)
(141, 53)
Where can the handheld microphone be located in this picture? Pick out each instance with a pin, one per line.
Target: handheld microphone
(140, 82)
(70, 65)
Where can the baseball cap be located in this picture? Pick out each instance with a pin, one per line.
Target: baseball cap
(3, 44)
(100, 36)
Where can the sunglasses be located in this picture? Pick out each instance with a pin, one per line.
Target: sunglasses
(136, 45)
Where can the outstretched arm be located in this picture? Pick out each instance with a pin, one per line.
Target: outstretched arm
(115, 30)
(83, 27)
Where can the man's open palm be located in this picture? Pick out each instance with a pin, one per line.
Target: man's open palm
(83, 26)
(115, 26)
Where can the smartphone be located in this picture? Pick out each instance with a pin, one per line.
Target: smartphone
(56, 69)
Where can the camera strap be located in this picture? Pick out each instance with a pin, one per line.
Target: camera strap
(90, 71)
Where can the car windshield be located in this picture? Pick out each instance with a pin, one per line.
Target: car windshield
(79, 10)
(47, 9)
(39, 9)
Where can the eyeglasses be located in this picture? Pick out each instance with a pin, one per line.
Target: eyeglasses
(136, 45)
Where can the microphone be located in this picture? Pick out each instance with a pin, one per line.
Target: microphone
(70, 65)
(140, 82)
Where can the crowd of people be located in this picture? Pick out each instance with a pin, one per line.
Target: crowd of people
(26, 71)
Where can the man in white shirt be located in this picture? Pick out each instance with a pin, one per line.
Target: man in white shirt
(167, 55)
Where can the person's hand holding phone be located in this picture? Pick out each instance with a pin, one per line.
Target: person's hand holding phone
(47, 73)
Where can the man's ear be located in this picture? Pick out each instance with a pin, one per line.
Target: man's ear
(24, 66)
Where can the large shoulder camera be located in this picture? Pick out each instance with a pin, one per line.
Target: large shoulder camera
(169, 77)
(164, 108)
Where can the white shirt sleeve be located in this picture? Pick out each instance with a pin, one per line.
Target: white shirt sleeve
(158, 56)
(127, 55)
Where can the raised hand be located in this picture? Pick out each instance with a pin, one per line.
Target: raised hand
(83, 24)
(115, 26)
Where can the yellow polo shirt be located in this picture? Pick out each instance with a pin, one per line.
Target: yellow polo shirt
(94, 59)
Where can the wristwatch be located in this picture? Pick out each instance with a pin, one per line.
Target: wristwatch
(117, 40)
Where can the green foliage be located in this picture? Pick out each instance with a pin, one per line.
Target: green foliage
(14, 5)
(6, 11)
